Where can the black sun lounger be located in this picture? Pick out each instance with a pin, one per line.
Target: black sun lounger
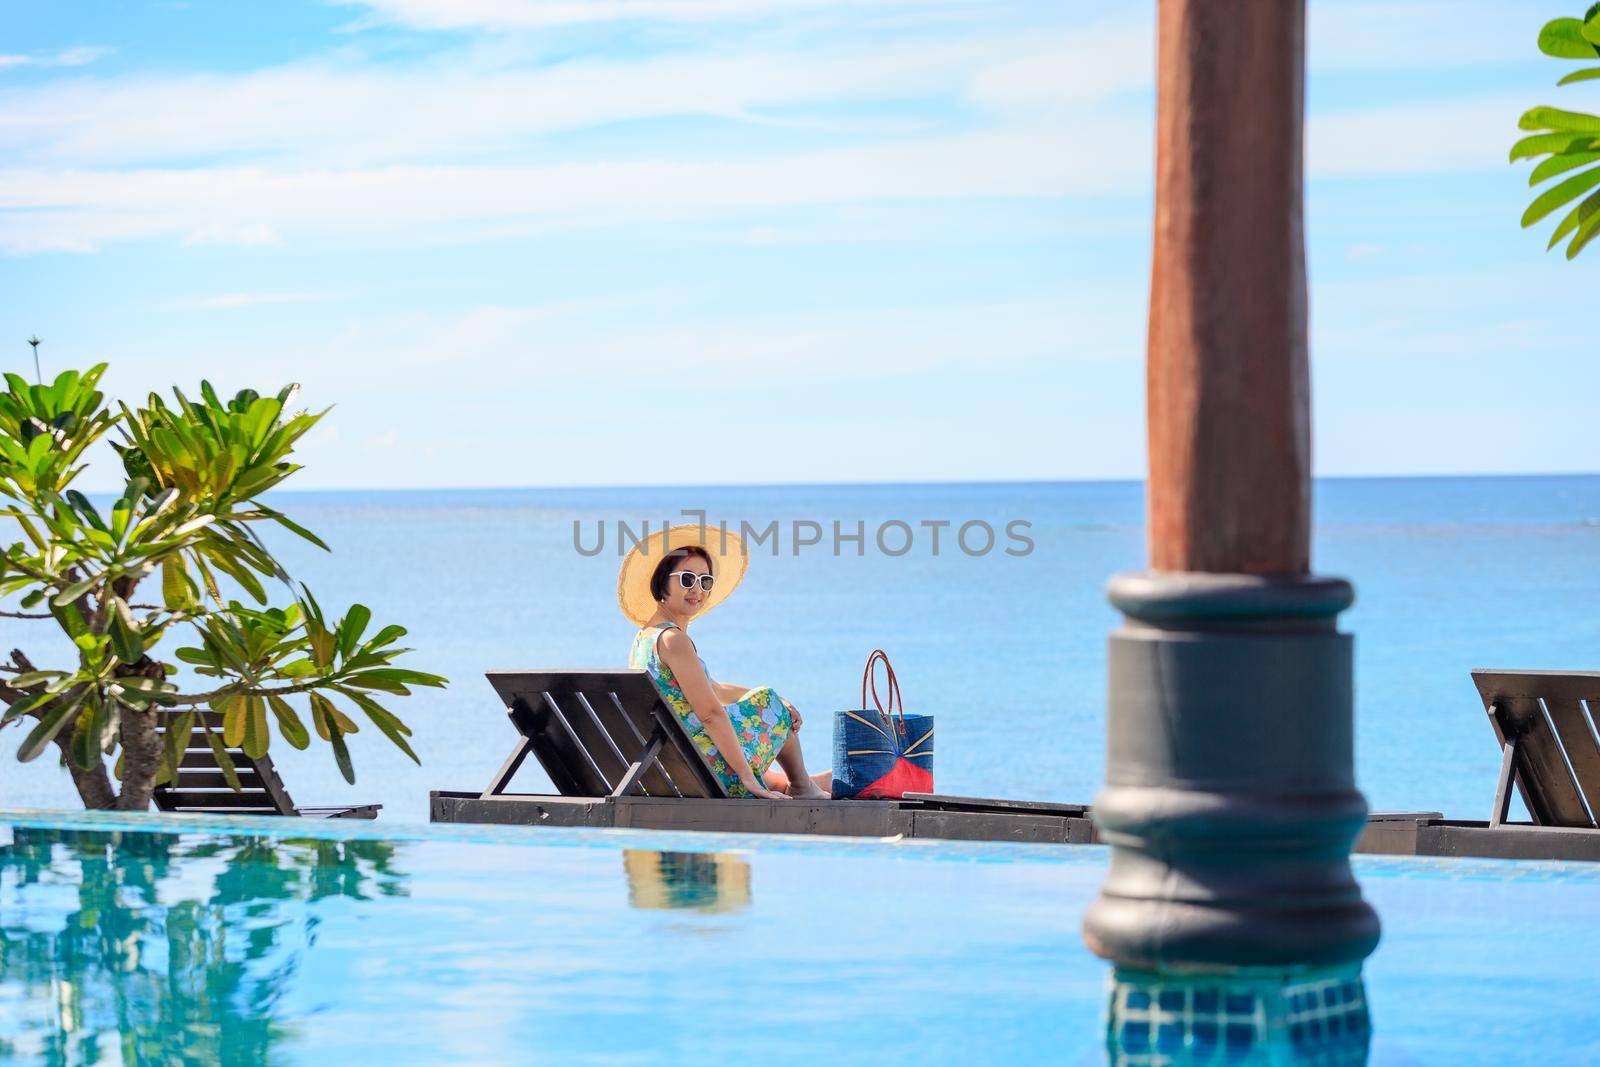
(203, 788)
(620, 758)
(600, 734)
(1548, 725)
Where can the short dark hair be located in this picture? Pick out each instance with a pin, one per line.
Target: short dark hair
(658, 579)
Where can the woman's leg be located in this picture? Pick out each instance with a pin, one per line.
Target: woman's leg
(793, 763)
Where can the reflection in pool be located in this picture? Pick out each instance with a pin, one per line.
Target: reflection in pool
(701, 881)
(156, 948)
(161, 940)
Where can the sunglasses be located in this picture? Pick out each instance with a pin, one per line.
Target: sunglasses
(689, 579)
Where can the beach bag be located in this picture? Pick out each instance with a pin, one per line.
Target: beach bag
(881, 753)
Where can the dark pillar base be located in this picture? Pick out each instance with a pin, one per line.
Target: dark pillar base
(1230, 801)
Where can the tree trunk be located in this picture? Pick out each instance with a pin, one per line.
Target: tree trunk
(141, 744)
(141, 757)
(93, 785)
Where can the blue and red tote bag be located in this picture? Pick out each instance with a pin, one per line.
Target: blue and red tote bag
(881, 753)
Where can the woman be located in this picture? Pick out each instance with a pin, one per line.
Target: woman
(740, 731)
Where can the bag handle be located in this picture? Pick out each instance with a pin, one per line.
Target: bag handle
(896, 704)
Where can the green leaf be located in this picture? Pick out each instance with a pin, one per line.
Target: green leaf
(1553, 118)
(1586, 74)
(386, 636)
(126, 641)
(1591, 29)
(1587, 231)
(84, 748)
(35, 677)
(86, 509)
(234, 715)
(386, 721)
(290, 524)
(25, 705)
(1554, 197)
(177, 591)
(1576, 216)
(257, 737)
(224, 761)
(332, 720)
(404, 676)
(341, 756)
(351, 626)
(72, 592)
(50, 724)
(239, 574)
(180, 728)
(1560, 165)
(1564, 39)
(289, 724)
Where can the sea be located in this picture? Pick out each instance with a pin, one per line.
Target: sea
(998, 630)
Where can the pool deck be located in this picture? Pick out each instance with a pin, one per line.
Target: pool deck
(951, 818)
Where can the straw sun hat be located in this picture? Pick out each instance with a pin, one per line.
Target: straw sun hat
(728, 563)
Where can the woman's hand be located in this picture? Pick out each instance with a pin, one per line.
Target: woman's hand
(761, 791)
(795, 721)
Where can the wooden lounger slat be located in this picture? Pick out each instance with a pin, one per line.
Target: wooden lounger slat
(219, 798)
(1537, 715)
(599, 733)
(202, 786)
(654, 781)
(1583, 754)
(215, 779)
(580, 743)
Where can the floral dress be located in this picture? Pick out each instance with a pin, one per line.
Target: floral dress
(760, 718)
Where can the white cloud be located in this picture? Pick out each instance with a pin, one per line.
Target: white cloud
(70, 57)
(247, 234)
(456, 107)
(228, 301)
(543, 14)
(75, 209)
(1070, 68)
(565, 346)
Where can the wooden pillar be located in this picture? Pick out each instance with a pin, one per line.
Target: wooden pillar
(1230, 800)
(1228, 377)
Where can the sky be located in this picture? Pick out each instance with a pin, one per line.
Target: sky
(632, 242)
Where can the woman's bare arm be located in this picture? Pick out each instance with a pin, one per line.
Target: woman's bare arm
(677, 651)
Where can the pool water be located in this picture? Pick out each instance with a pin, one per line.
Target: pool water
(243, 941)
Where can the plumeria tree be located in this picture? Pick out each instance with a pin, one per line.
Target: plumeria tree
(112, 585)
(1569, 141)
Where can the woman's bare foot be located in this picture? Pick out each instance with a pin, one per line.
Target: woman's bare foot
(808, 789)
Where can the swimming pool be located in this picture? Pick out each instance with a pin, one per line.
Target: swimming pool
(204, 940)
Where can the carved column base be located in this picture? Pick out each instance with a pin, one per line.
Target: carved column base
(1230, 801)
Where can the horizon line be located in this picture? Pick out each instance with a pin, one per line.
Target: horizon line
(929, 483)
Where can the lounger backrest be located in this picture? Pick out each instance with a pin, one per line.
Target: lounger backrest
(589, 728)
(1554, 717)
(201, 785)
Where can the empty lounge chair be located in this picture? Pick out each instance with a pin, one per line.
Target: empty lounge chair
(202, 787)
(1546, 724)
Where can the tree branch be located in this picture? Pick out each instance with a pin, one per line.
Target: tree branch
(181, 700)
(47, 615)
